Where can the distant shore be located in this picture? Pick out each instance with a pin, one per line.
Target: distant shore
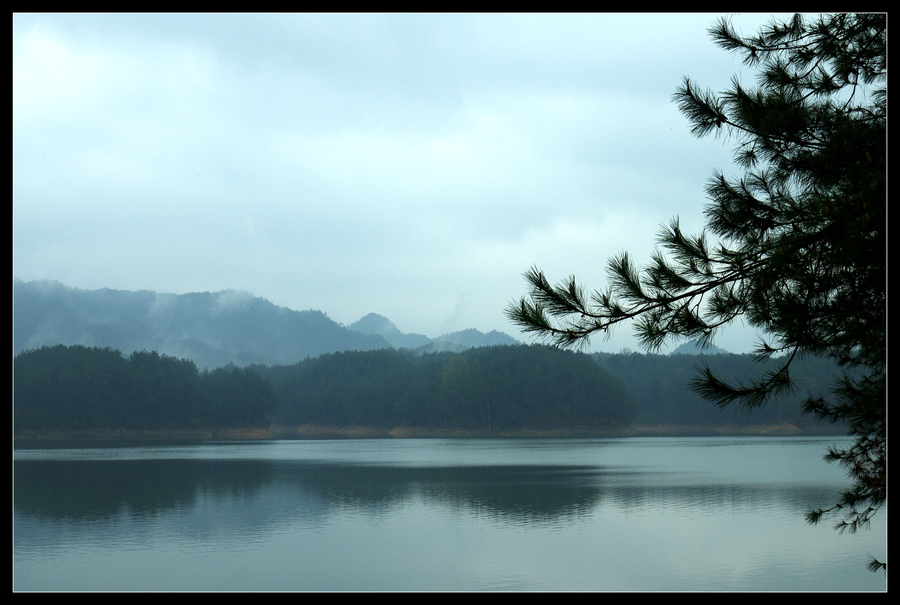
(308, 432)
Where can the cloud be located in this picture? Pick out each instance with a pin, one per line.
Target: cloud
(410, 165)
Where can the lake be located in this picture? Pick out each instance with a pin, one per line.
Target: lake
(631, 514)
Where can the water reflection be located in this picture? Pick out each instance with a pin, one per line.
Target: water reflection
(390, 515)
(104, 489)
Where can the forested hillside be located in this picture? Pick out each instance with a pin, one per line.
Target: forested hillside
(79, 387)
(487, 387)
(661, 387)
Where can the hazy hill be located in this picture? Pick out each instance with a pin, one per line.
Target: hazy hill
(692, 348)
(211, 328)
(456, 341)
(382, 326)
(470, 338)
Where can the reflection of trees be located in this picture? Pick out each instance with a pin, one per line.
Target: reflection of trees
(509, 493)
(271, 492)
(101, 489)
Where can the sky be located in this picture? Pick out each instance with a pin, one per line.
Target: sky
(410, 165)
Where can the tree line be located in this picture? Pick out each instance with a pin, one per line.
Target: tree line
(68, 387)
(493, 388)
(662, 387)
(496, 387)
(500, 387)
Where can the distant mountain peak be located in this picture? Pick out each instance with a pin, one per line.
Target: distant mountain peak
(694, 348)
(374, 323)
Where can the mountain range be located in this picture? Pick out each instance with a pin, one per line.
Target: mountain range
(457, 341)
(211, 328)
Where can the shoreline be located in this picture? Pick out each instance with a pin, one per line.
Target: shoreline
(320, 432)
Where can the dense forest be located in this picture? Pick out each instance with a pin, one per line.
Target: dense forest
(487, 387)
(661, 387)
(493, 388)
(78, 387)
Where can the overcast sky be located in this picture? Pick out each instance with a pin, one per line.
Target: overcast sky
(408, 165)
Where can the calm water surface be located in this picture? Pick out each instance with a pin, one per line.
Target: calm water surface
(592, 514)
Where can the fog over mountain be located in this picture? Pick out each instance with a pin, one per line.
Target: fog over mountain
(211, 328)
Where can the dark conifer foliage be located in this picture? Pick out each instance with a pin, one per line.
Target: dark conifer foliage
(491, 388)
(796, 247)
(81, 387)
(661, 385)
